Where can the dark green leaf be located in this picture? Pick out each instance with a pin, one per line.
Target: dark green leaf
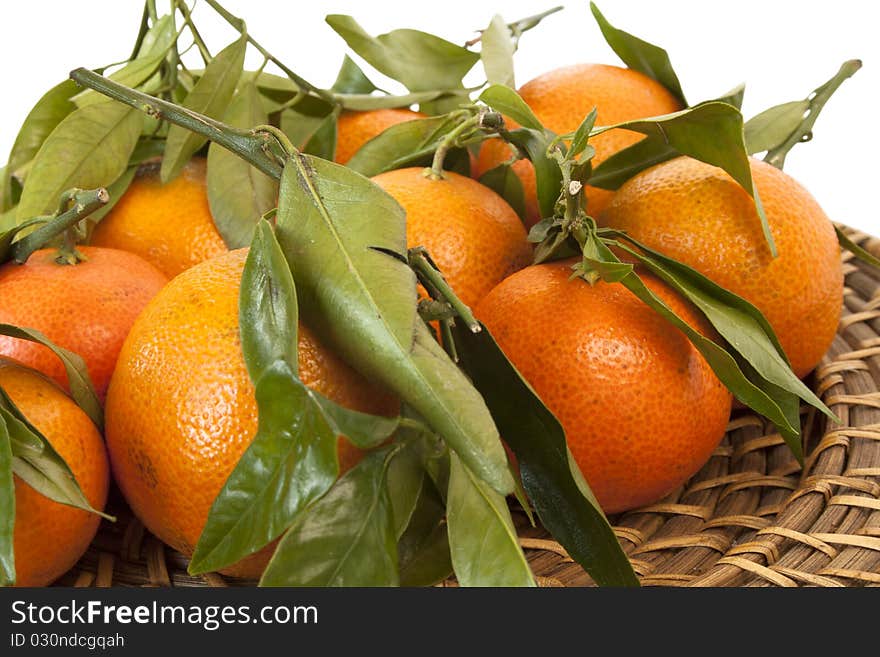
(45, 116)
(81, 388)
(562, 500)
(301, 122)
(363, 103)
(291, 462)
(581, 135)
(344, 539)
(418, 60)
(548, 176)
(37, 463)
(361, 429)
(406, 478)
(210, 96)
(89, 149)
(356, 290)
(423, 550)
(7, 504)
(238, 193)
(267, 307)
(401, 145)
(623, 165)
(640, 55)
(322, 143)
(711, 132)
(772, 127)
(862, 254)
(496, 52)
(352, 80)
(507, 101)
(482, 539)
(506, 184)
(734, 96)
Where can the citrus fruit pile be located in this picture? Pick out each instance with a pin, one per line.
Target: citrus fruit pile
(328, 337)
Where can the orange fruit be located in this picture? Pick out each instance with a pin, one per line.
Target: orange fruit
(87, 308)
(696, 213)
(473, 235)
(354, 129)
(562, 98)
(641, 409)
(170, 225)
(49, 538)
(181, 409)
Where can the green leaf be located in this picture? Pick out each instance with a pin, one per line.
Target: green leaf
(859, 252)
(210, 96)
(581, 136)
(352, 80)
(291, 462)
(363, 103)
(711, 132)
(405, 480)
(36, 462)
(556, 488)
(344, 539)
(7, 504)
(45, 116)
(81, 388)
(507, 101)
(507, 185)
(773, 126)
(482, 539)
(363, 430)
(9, 231)
(404, 144)
(141, 69)
(548, 175)
(322, 142)
(356, 289)
(238, 193)
(423, 549)
(623, 165)
(496, 52)
(640, 55)
(418, 60)
(267, 310)
(301, 122)
(90, 148)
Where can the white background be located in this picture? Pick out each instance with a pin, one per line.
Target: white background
(781, 49)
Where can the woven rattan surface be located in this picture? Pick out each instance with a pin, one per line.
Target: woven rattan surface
(751, 517)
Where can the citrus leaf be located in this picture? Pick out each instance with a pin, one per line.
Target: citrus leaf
(739, 322)
(711, 132)
(344, 539)
(363, 103)
(7, 504)
(267, 309)
(773, 126)
(734, 96)
(356, 289)
(238, 193)
(81, 388)
(562, 500)
(400, 145)
(405, 481)
(418, 60)
(291, 462)
(45, 116)
(210, 96)
(36, 462)
(581, 135)
(89, 149)
(496, 52)
(640, 55)
(623, 165)
(352, 80)
(483, 542)
(322, 142)
(859, 252)
(363, 430)
(548, 176)
(423, 549)
(507, 101)
(301, 122)
(142, 68)
(504, 181)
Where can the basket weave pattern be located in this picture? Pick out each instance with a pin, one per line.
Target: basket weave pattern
(751, 517)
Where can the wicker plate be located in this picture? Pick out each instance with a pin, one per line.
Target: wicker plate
(750, 517)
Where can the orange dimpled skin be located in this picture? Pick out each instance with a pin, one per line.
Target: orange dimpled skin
(641, 408)
(698, 214)
(169, 225)
(472, 234)
(563, 97)
(354, 129)
(49, 538)
(181, 409)
(87, 308)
